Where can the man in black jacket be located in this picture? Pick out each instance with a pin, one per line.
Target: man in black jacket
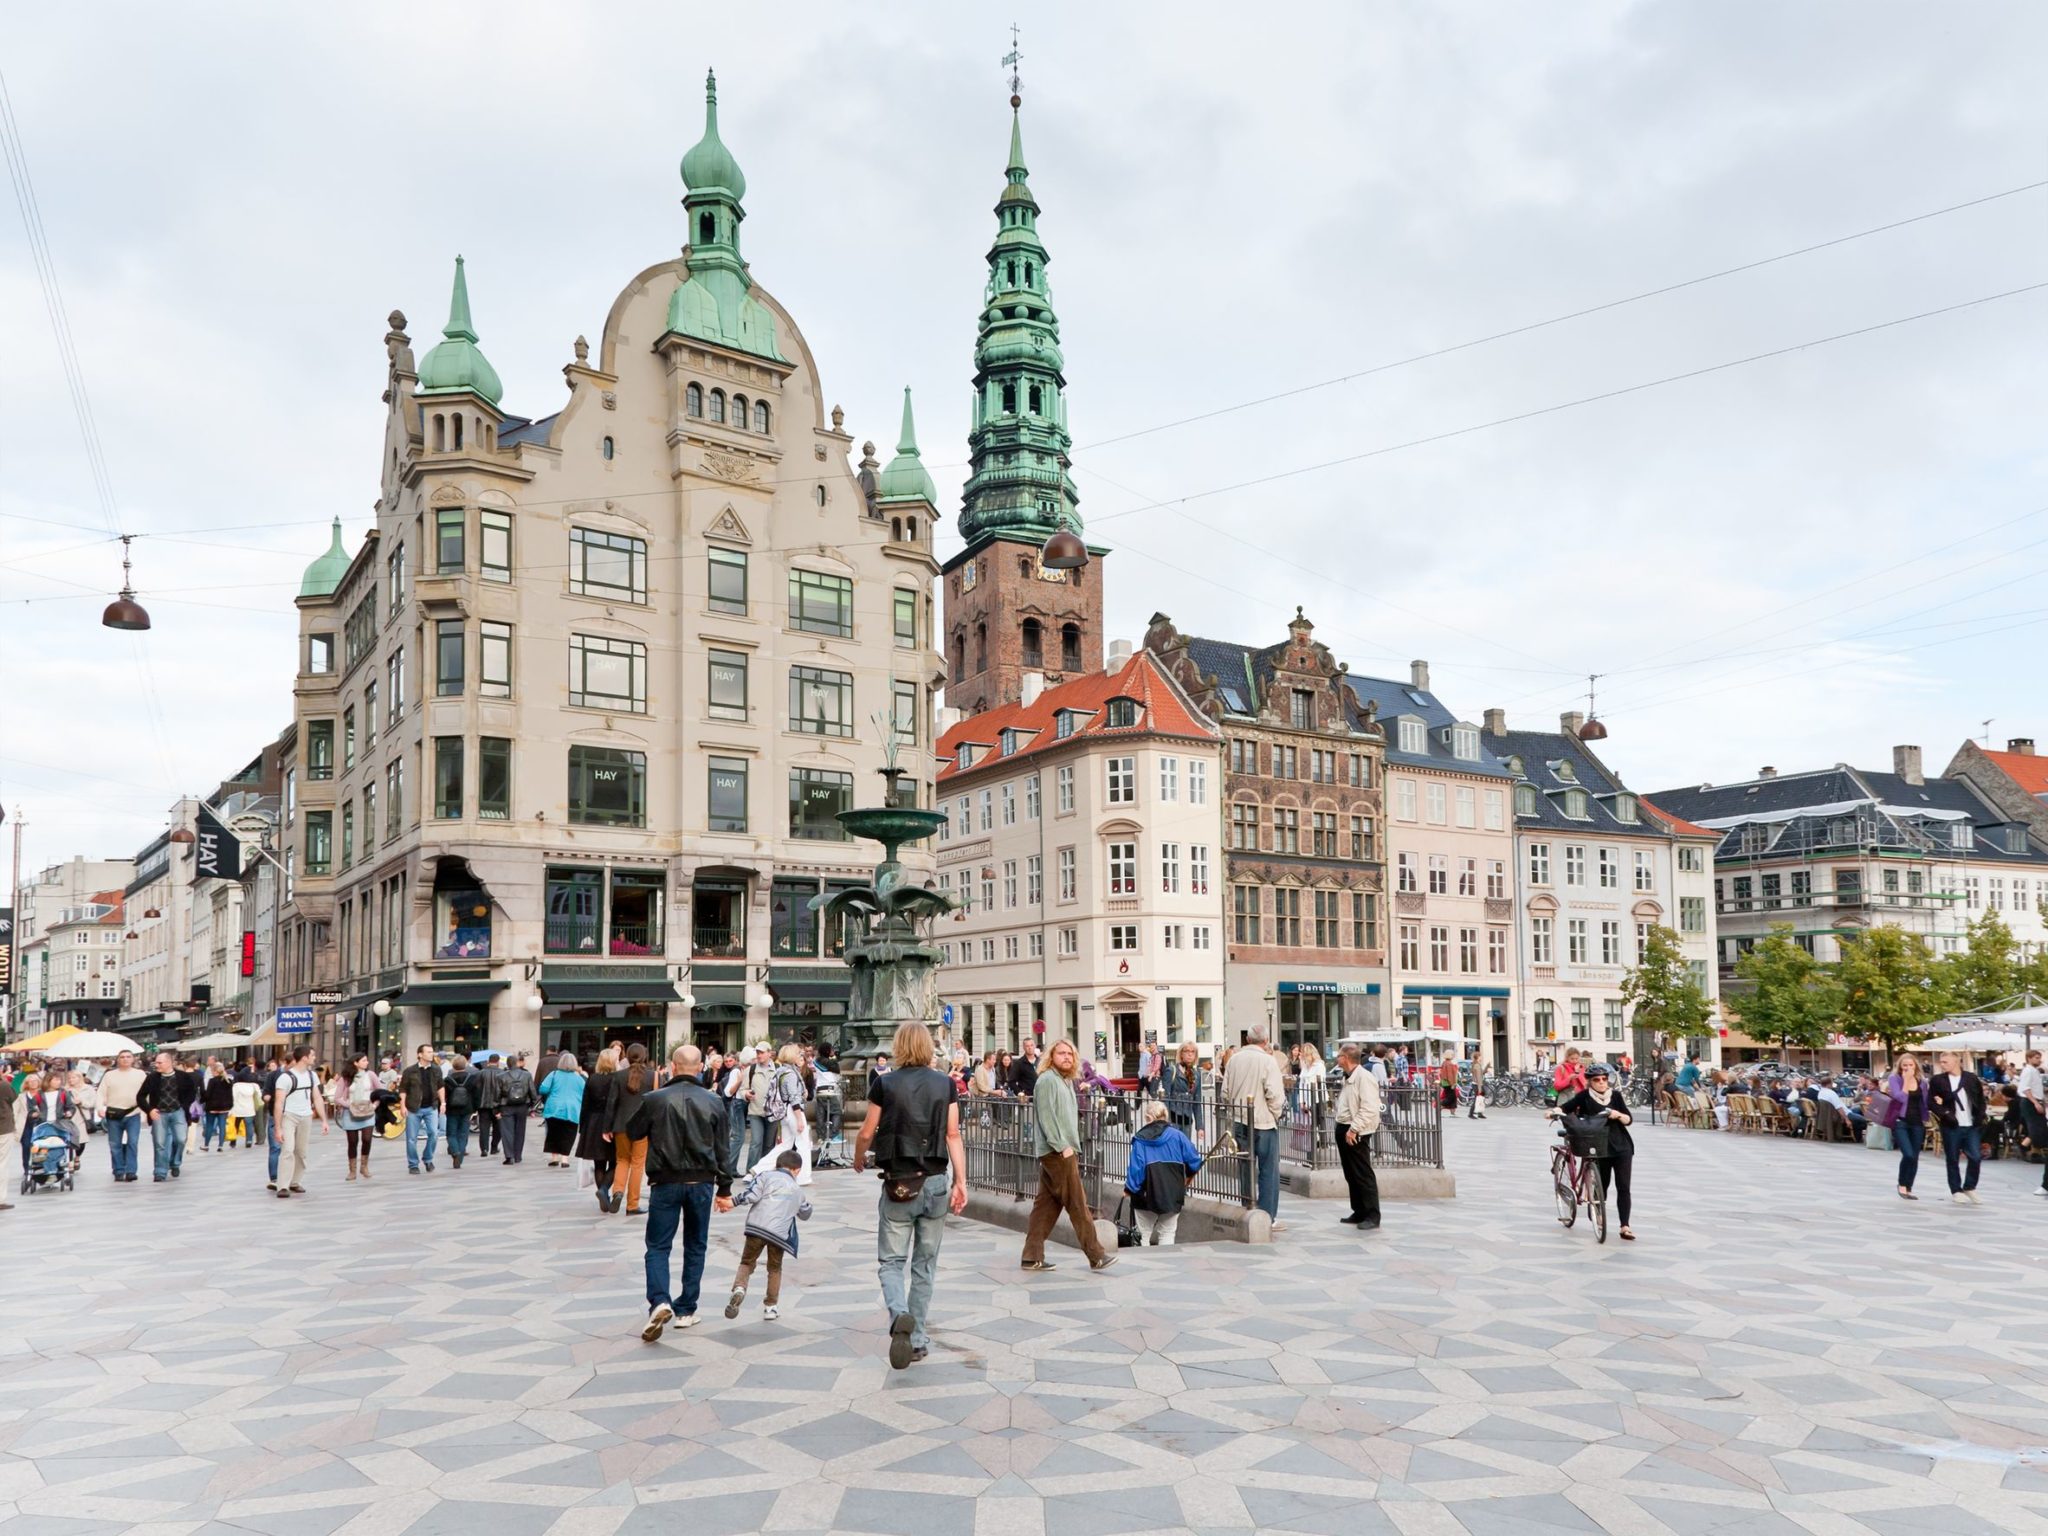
(1024, 1070)
(424, 1093)
(168, 1094)
(689, 1154)
(490, 1094)
(1957, 1099)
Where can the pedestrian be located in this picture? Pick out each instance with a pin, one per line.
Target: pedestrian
(216, 1101)
(273, 1135)
(354, 1097)
(732, 1092)
(459, 1093)
(248, 1104)
(1956, 1100)
(1056, 1143)
(121, 1111)
(689, 1174)
(1357, 1118)
(1148, 1064)
(1476, 1110)
(594, 1144)
(1156, 1179)
(2033, 1105)
(775, 1205)
(424, 1093)
(628, 1171)
(1251, 1087)
(1378, 1066)
(490, 1095)
(1180, 1085)
(760, 1075)
(1598, 1100)
(786, 1113)
(294, 1107)
(1311, 1085)
(1024, 1068)
(516, 1101)
(982, 1085)
(912, 1130)
(1908, 1093)
(829, 1094)
(168, 1094)
(1570, 1077)
(10, 1131)
(561, 1108)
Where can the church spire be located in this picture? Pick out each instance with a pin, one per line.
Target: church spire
(1019, 486)
(715, 301)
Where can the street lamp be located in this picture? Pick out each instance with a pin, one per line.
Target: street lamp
(1064, 551)
(124, 612)
(381, 1007)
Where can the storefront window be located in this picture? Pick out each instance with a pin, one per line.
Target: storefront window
(793, 926)
(835, 933)
(636, 920)
(462, 924)
(573, 897)
(719, 919)
(461, 1031)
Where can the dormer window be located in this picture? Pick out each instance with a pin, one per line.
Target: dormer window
(1122, 712)
(1410, 738)
(1515, 766)
(1625, 808)
(1575, 805)
(1755, 838)
(1962, 835)
(1525, 800)
(2015, 839)
(1012, 740)
(1566, 773)
(1066, 722)
(963, 757)
(1465, 743)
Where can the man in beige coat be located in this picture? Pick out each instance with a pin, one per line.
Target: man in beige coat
(1357, 1117)
(1252, 1086)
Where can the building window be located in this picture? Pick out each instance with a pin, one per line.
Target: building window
(1034, 881)
(1121, 713)
(1439, 874)
(448, 527)
(1365, 920)
(1244, 826)
(1070, 942)
(1411, 947)
(1363, 844)
(494, 778)
(792, 925)
(727, 581)
(1286, 830)
(1070, 648)
(575, 901)
(1169, 778)
(494, 545)
(1692, 861)
(727, 807)
(494, 659)
(1525, 800)
(1468, 877)
(1063, 789)
(1440, 950)
(1301, 712)
(1287, 916)
(319, 654)
(904, 608)
(1404, 872)
(1468, 951)
(1582, 1018)
(1496, 951)
(1645, 875)
(394, 799)
(608, 674)
(1169, 868)
(1031, 798)
(1692, 914)
(1438, 804)
(1610, 869)
(1546, 1019)
(1067, 874)
(612, 566)
(728, 684)
(820, 604)
(1540, 936)
(448, 663)
(693, 400)
(1245, 914)
(447, 778)
(1329, 926)
(717, 411)
(1033, 644)
(1123, 780)
(1575, 806)
(1575, 940)
(1465, 743)
(1323, 834)
(319, 842)
(1574, 864)
(394, 675)
(1123, 938)
(1198, 869)
(1285, 763)
(1610, 943)
(607, 787)
(1123, 869)
(988, 812)
(816, 797)
(820, 702)
(903, 714)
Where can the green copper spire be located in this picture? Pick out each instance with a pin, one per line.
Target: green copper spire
(455, 364)
(713, 303)
(906, 478)
(324, 575)
(1018, 442)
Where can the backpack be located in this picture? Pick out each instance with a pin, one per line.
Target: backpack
(779, 1100)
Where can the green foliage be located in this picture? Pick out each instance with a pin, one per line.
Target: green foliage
(1890, 986)
(1796, 1001)
(1662, 991)
(1987, 971)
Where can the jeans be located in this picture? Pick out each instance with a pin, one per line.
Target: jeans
(912, 1231)
(1909, 1136)
(666, 1205)
(276, 1145)
(421, 1123)
(458, 1134)
(214, 1131)
(512, 1133)
(760, 1137)
(1263, 1165)
(830, 1108)
(1962, 1142)
(122, 1133)
(736, 1127)
(169, 1134)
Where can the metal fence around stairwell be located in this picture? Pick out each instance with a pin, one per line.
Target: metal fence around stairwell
(1411, 1133)
(1000, 1155)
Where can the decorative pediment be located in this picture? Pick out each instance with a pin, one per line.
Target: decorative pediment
(731, 466)
(727, 525)
(1543, 903)
(447, 496)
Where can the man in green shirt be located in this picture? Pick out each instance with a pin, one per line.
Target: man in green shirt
(1056, 1138)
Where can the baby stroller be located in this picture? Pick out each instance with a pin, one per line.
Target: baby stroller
(52, 1159)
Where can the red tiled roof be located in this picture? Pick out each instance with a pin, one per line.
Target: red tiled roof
(1162, 711)
(2024, 769)
(1681, 827)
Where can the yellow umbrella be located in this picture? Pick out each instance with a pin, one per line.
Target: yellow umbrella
(44, 1041)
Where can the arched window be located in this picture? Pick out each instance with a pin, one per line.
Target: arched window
(740, 412)
(693, 400)
(718, 405)
(981, 647)
(1034, 644)
(440, 433)
(607, 450)
(1070, 648)
(457, 443)
(910, 529)
(1010, 398)
(1027, 274)
(707, 228)
(896, 528)
(821, 495)
(1037, 400)
(1010, 273)
(761, 416)
(960, 653)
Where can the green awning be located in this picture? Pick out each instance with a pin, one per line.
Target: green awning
(610, 990)
(364, 999)
(812, 989)
(468, 994)
(718, 996)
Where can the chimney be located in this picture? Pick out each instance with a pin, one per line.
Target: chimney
(2021, 745)
(1767, 772)
(1418, 675)
(1496, 722)
(1570, 721)
(950, 717)
(1906, 764)
(1030, 687)
(1119, 655)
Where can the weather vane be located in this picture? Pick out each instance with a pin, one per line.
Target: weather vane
(1010, 62)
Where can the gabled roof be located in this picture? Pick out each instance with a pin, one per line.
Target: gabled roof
(2023, 768)
(1162, 711)
(1396, 699)
(1544, 756)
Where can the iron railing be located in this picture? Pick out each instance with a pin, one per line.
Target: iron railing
(1000, 1155)
(1411, 1133)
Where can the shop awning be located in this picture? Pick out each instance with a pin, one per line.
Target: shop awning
(611, 990)
(811, 989)
(364, 999)
(718, 995)
(462, 994)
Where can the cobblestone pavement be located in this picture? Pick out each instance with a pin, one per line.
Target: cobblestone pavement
(1788, 1348)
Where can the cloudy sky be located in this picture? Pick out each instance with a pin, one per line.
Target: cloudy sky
(1794, 561)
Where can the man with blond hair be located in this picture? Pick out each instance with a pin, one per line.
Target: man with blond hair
(913, 1132)
(1056, 1141)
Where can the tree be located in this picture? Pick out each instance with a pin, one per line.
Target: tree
(1661, 989)
(1795, 1001)
(1987, 971)
(1890, 989)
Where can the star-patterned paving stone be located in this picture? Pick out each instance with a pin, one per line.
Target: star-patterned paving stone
(1788, 1348)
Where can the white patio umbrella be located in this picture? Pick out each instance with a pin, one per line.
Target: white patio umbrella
(96, 1043)
(226, 1040)
(1977, 1040)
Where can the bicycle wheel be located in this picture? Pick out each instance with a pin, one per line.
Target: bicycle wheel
(1596, 1200)
(1567, 1197)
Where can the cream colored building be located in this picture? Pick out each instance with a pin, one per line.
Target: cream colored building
(41, 900)
(573, 722)
(1085, 852)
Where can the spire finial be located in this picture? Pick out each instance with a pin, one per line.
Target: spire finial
(459, 327)
(906, 442)
(1011, 60)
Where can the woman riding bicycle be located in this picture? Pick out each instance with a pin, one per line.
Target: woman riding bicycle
(1595, 1101)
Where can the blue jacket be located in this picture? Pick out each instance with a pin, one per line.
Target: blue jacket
(1159, 1142)
(561, 1096)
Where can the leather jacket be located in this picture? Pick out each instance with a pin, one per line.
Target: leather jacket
(687, 1135)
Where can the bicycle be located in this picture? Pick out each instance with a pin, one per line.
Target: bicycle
(1575, 1181)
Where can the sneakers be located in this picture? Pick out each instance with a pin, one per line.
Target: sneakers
(732, 1303)
(658, 1318)
(412, 1169)
(2042, 1191)
(1279, 1226)
(687, 1320)
(1102, 1263)
(284, 1194)
(900, 1347)
(1037, 1266)
(1960, 1198)
(918, 1354)
(1971, 1195)
(769, 1314)
(430, 1165)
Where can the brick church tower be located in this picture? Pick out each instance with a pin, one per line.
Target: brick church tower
(1005, 614)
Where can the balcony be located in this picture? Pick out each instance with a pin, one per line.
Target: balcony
(573, 936)
(718, 942)
(635, 938)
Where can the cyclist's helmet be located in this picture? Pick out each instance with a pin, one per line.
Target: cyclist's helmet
(1598, 1069)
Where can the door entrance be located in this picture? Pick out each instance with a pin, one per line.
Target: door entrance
(1126, 1043)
